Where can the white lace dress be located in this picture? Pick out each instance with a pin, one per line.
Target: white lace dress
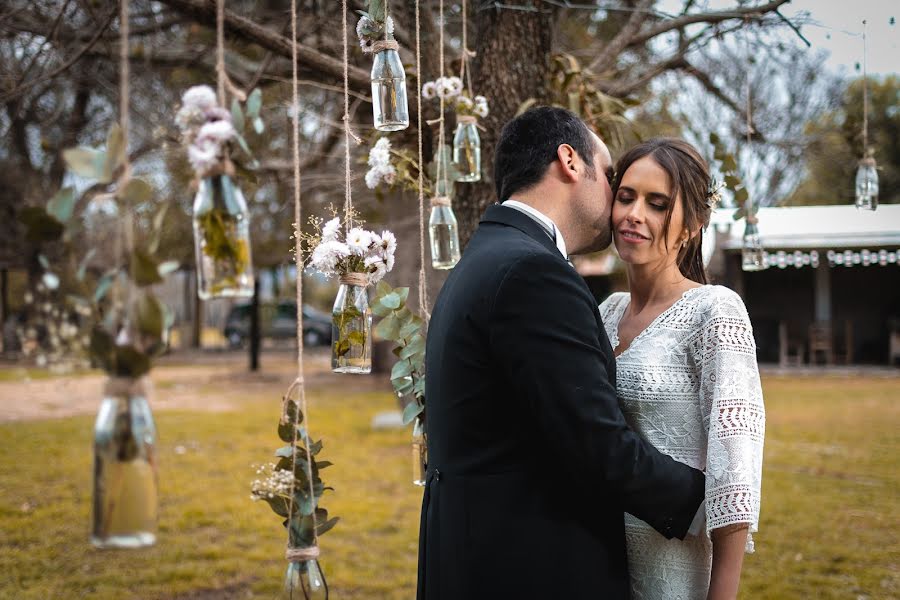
(689, 384)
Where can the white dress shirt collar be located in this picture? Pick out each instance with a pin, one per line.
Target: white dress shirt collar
(546, 221)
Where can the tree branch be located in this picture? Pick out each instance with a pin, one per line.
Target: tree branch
(708, 84)
(612, 50)
(204, 11)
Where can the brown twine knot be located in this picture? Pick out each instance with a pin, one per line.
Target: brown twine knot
(301, 554)
(466, 119)
(440, 201)
(752, 220)
(223, 167)
(382, 45)
(124, 387)
(357, 279)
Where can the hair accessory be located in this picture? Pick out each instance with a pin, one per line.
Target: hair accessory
(714, 193)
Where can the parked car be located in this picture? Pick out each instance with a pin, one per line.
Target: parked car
(278, 321)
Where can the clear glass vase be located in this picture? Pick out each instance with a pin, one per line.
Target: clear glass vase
(389, 105)
(753, 257)
(867, 185)
(467, 150)
(305, 581)
(444, 233)
(125, 486)
(222, 240)
(351, 330)
(419, 452)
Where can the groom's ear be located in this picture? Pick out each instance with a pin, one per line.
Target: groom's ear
(569, 162)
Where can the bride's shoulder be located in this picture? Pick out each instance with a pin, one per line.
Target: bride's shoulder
(612, 301)
(718, 300)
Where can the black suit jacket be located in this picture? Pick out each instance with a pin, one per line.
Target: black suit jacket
(531, 463)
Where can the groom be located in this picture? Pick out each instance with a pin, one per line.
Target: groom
(531, 463)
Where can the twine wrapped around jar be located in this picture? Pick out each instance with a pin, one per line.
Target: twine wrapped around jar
(357, 279)
(440, 201)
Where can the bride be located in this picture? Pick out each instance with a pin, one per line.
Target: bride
(686, 371)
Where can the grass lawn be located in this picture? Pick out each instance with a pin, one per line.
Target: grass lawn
(829, 524)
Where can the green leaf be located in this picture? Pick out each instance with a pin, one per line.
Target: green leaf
(341, 347)
(376, 10)
(61, 205)
(731, 181)
(415, 346)
(714, 138)
(401, 369)
(391, 301)
(326, 526)
(115, 150)
(741, 195)
(237, 116)
(150, 316)
(103, 285)
(321, 464)
(388, 328)
(419, 389)
(286, 429)
(170, 266)
(136, 192)
(144, 269)
(739, 214)
(412, 326)
(82, 268)
(43, 261)
(411, 411)
(285, 452)
(131, 362)
(87, 162)
(379, 309)
(357, 338)
(254, 103)
(315, 447)
(382, 288)
(102, 348)
(40, 226)
(258, 125)
(729, 164)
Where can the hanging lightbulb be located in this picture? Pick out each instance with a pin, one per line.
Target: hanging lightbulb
(867, 184)
(753, 257)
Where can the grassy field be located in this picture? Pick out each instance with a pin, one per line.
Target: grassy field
(829, 524)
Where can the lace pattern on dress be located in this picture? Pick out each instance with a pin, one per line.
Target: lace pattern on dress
(689, 383)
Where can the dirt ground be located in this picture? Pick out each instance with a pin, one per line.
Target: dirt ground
(179, 381)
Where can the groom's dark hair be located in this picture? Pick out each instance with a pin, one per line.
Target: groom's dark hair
(528, 145)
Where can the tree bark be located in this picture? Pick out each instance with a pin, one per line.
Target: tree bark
(512, 63)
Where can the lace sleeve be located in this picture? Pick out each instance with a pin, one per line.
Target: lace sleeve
(732, 402)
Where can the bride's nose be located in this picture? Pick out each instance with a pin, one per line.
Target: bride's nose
(635, 212)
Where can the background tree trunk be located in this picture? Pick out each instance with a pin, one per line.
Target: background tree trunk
(506, 83)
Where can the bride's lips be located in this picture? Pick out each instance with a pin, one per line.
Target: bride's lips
(631, 236)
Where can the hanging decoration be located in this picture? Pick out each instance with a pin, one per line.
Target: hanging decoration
(376, 36)
(466, 141)
(752, 253)
(292, 487)
(442, 225)
(849, 258)
(867, 171)
(211, 134)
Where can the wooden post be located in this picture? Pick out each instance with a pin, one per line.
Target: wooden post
(255, 333)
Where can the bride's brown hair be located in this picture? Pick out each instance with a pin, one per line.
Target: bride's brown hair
(689, 177)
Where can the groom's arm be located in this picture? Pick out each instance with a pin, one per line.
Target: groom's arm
(545, 335)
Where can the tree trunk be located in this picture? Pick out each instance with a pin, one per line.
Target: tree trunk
(255, 333)
(511, 66)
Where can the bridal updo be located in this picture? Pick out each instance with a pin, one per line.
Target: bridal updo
(690, 182)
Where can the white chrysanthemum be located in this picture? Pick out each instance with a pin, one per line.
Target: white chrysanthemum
(359, 240)
(379, 173)
(445, 88)
(376, 268)
(429, 90)
(217, 131)
(464, 103)
(480, 100)
(388, 242)
(201, 97)
(364, 23)
(326, 256)
(456, 85)
(188, 116)
(373, 178)
(330, 229)
(380, 154)
(203, 155)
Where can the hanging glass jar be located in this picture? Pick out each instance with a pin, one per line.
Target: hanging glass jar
(444, 233)
(419, 452)
(222, 240)
(351, 326)
(125, 486)
(867, 184)
(753, 257)
(389, 105)
(305, 580)
(467, 149)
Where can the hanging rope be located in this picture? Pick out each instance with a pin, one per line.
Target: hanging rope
(222, 80)
(126, 230)
(423, 286)
(751, 218)
(464, 73)
(298, 554)
(865, 96)
(348, 199)
(440, 172)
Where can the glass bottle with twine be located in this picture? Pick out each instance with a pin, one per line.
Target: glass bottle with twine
(389, 104)
(304, 579)
(351, 326)
(867, 184)
(419, 452)
(444, 232)
(467, 149)
(753, 257)
(125, 500)
(222, 236)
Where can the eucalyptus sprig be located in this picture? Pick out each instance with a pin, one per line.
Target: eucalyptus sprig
(732, 178)
(288, 474)
(406, 329)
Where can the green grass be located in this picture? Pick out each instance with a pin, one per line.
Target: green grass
(828, 528)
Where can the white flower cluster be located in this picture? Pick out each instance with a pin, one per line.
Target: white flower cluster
(380, 167)
(370, 31)
(363, 252)
(205, 127)
(451, 88)
(275, 483)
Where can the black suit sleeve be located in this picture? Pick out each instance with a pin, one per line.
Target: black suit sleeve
(545, 335)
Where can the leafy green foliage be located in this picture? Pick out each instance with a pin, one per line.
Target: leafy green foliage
(400, 325)
(732, 176)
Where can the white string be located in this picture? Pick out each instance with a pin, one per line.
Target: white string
(439, 171)
(423, 287)
(348, 201)
(865, 96)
